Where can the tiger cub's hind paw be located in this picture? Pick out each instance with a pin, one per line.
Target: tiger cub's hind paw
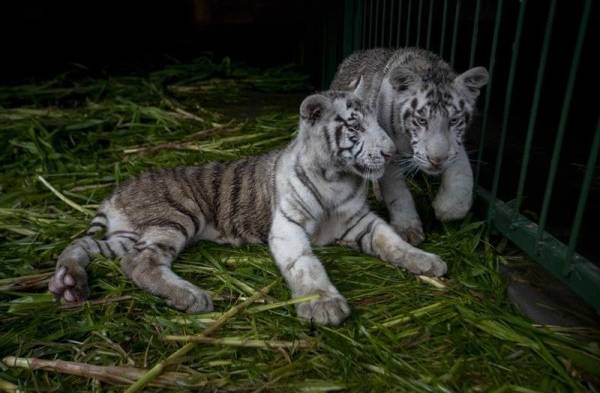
(69, 284)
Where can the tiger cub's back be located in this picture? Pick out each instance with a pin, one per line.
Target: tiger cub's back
(229, 202)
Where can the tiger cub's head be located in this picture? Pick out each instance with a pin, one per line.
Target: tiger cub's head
(432, 107)
(344, 132)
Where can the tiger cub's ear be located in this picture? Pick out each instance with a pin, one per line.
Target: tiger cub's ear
(313, 107)
(472, 80)
(360, 87)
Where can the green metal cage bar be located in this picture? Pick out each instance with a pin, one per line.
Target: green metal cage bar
(488, 88)
(383, 21)
(455, 32)
(535, 105)
(363, 26)
(408, 20)
(475, 34)
(419, 17)
(561, 259)
(353, 24)
(429, 25)
(398, 23)
(391, 29)
(443, 34)
(563, 120)
(583, 196)
(375, 44)
(369, 41)
(507, 101)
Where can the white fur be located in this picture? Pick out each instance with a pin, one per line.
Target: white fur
(339, 213)
(319, 195)
(402, 84)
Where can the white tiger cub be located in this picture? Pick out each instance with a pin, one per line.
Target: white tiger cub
(312, 191)
(426, 108)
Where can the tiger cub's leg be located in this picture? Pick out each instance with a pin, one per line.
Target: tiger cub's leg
(372, 235)
(149, 266)
(304, 273)
(399, 202)
(455, 196)
(69, 282)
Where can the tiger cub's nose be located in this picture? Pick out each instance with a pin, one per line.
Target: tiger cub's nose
(437, 161)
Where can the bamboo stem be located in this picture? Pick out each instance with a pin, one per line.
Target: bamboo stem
(300, 299)
(247, 343)
(22, 283)
(118, 375)
(97, 302)
(155, 371)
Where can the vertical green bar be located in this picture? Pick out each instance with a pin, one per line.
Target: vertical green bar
(508, 98)
(391, 24)
(324, 64)
(383, 23)
(455, 32)
(330, 49)
(443, 36)
(535, 105)
(585, 192)
(429, 25)
(488, 89)
(376, 25)
(408, 12)
(563, 119)
(475, 33)
(399, 24)
(371, 20)
(359, 23)
(363, 44)
(583, 195)
(349, 30)
(419, 23)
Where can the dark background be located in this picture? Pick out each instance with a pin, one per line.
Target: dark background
(39, 39)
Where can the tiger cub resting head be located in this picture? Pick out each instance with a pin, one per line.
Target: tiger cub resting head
(312, 191)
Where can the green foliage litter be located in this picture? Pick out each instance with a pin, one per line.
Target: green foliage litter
(81, 135)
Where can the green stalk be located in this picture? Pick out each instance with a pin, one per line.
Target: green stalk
(65, 199)
(159, 367)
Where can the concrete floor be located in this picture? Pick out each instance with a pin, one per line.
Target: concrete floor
(546, 300)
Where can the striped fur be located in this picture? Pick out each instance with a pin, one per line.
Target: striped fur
(312, 191)
(426, 108)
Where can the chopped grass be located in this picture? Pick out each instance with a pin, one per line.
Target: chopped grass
(67, 142)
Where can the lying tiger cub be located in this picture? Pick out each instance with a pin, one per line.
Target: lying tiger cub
(314, 190)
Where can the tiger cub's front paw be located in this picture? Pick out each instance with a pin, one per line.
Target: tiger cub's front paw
(419, 262)
(190, 298)
(426, 264)
(452, 208)
(327, 310)
(410, 231)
